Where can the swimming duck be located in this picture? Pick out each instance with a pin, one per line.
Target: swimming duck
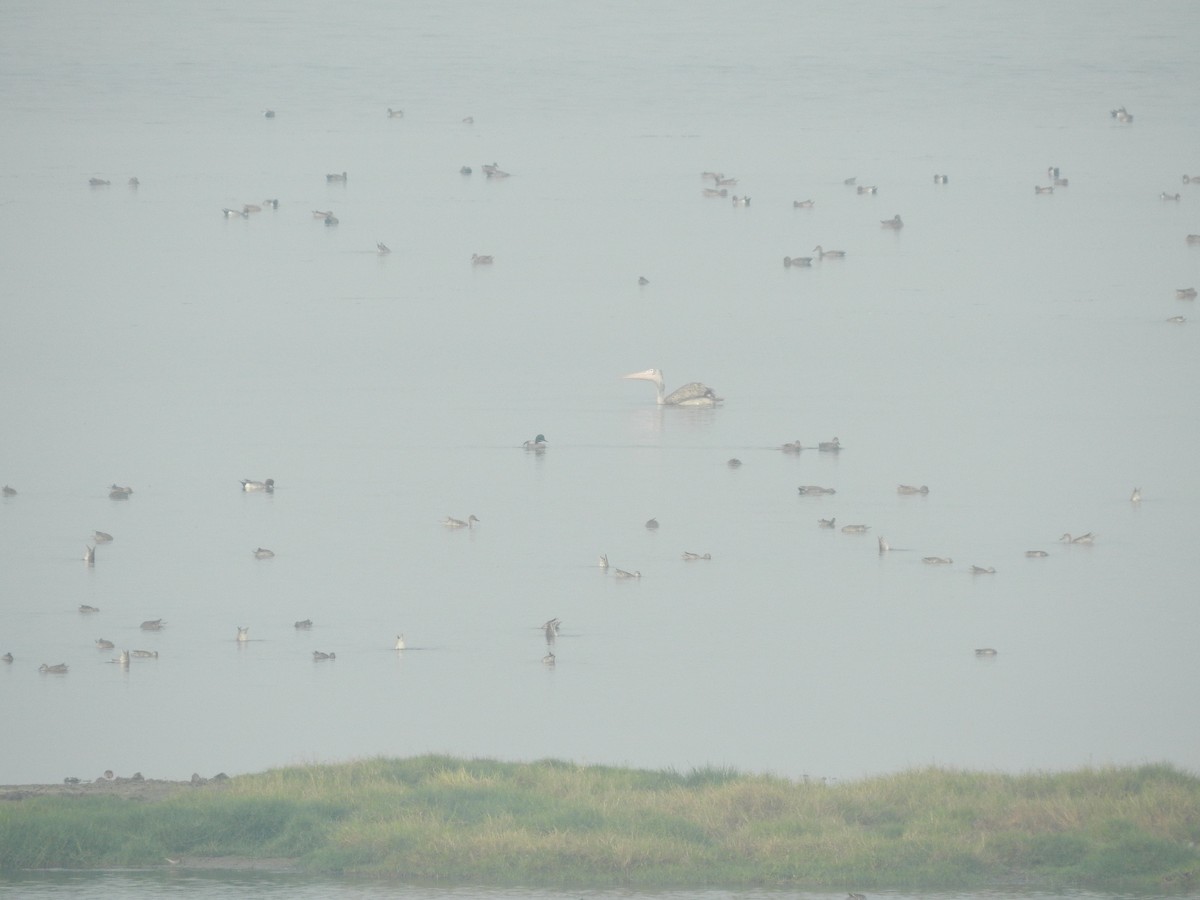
(894, 222)
(1036, 554)
(941, 179)
(691, 556)
(395, 113)
(322, 213)
(809, 490)
(538, 443)
(251, 208)
(937, 560)
(465, 170)
(1165, 196)
(116, 492)
(792, 446)
(549, 658)
(273, 203)
(235, 213)
(478, 260)
(799, 262)
(7, 657)
(9, 491)
(263, 553)
(102, 644)
(152, 625)
(85, 608)
(868, 189)
(849, 182)
(303, 624)
(855, 529)
(1088, 538)
(734, 463)
(740, 201)
(267, 486)
(1061, 182)
(400, 643)
(56, 669)
(331, 220)
(268, 113)
(1185, 293)
(832, 254)
(243, 634)
(494, 171)
(336, 177)
(1039, 189)
(98, 182)
(643, 281)
(144, 654)
(985, 651)
(827, 523)
(804, 204)
(1193, 238)
(715, 192)
(652, 524)
(102, 537)
(318, 656)
(459, 523)
(983, 570)
(383, 248)
(468, 120)
(830, 446)
(621, 573)
(910, 489)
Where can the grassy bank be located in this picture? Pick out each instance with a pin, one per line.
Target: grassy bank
(558, 824)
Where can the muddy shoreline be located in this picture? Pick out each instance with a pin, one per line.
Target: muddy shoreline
(135, 788)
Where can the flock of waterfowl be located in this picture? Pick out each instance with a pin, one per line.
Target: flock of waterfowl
(690, 395)
(693, 394)
(720, 189)
(119, 492)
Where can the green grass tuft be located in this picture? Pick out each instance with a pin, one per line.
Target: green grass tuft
(553, 823)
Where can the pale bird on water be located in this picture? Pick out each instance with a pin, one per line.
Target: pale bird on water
(692, 394)
(1087, 538)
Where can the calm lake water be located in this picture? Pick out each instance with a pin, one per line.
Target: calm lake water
(1011, 351)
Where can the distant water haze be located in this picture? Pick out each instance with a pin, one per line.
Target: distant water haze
(1010, 350)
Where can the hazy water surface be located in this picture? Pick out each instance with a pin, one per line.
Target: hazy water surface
(1009, 350)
